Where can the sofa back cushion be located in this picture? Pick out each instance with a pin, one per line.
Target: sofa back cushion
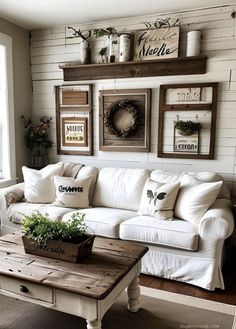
(163, 176)
(120, 188)
(86, 171)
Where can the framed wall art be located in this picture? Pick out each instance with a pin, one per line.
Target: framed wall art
(74, 119)
(74, 131)
(156, 43)
(124, 120)
(187, 120)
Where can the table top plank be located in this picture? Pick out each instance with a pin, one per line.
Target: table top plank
(94, 276)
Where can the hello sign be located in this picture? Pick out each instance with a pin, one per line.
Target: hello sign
(156, 43)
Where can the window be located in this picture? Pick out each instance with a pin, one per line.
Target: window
(7, 127)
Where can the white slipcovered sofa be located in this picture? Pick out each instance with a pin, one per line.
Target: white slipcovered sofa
(182, 250)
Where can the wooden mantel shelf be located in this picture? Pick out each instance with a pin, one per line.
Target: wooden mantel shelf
(150, 68)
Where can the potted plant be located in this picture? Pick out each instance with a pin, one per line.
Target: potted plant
(187, 128)
(85, 50)
(37, 140)
(69, 241)
(113, 37)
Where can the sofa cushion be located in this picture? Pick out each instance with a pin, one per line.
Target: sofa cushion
(72, 192)
(147, 229)
(120, 188)
(104, 221)
(158, 199)
(39, 187)
(17, 211)
(194, 198)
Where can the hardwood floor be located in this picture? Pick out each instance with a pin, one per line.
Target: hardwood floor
(227, 296)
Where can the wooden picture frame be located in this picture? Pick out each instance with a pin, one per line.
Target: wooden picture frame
(194, 105)
(74, 119)
(156, 43)
(139, 101)
(74, 131)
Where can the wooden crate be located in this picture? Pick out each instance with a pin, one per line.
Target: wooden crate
(68, 252)
(74, 97)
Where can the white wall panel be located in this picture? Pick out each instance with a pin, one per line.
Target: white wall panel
(50, 48)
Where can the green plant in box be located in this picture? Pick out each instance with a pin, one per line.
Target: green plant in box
(41, 229)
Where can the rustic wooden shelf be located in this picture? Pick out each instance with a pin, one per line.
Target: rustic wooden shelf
(151, 68)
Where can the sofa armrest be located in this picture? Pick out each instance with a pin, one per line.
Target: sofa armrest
(13, 193)
(218, 221)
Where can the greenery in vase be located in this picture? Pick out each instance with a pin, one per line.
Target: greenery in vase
(107, 31)
(188, 127)
(37, 133)
(79, 34)
(41, 229)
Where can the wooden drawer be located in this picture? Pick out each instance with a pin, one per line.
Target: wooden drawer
(26, 289)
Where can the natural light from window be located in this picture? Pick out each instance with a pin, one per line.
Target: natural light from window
(7, 130)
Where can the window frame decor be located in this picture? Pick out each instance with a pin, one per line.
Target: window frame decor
(183, 98)
(136, 103)
(74, 104)
(151, 44)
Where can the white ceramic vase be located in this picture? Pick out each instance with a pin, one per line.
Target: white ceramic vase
(125, 45)
(193, 43)
(85, 52)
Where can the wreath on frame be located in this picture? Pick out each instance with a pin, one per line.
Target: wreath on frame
(127, 106)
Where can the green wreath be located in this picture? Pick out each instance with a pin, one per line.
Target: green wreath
(126, 105)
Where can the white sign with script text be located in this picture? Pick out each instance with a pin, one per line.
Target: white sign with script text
(156, 44)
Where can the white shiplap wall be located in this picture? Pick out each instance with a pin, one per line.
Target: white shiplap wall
(49, 48)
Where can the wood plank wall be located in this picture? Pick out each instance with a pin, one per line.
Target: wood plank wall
(49, 48)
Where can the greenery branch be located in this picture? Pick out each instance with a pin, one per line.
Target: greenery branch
(161, 22)
(106, 31)
(79, 34)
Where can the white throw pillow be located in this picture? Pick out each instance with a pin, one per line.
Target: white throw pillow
(158, 199)
(194, 198)
(39, 187)
(72, 192)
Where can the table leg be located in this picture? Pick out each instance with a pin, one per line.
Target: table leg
(133, 292)
(96, 324)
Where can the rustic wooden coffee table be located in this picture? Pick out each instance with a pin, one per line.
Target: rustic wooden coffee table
(87, 289)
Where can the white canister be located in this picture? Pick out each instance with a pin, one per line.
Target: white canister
(113, 48)
(85, 52)
(193, 43)
(125, 42)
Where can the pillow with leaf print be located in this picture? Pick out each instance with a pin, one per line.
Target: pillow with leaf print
(158, 199)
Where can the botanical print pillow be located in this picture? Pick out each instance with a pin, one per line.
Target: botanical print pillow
(158, 199)
(72, 192)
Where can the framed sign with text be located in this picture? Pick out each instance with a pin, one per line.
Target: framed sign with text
(156, 43)
(74, 131)
(74, 119)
